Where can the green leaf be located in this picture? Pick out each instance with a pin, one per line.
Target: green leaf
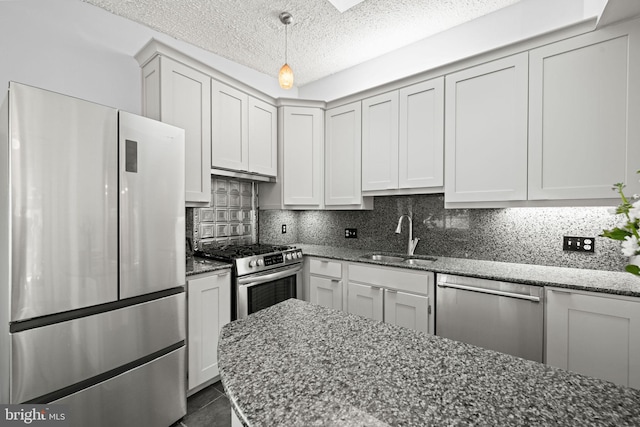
(633, 269)
(615, 234)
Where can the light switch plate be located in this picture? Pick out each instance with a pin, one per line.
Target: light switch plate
(578, 244)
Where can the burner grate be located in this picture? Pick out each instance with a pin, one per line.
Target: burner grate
(240, 251)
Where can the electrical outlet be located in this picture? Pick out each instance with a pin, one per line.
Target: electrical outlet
(284, 228)
(350, 233)
(578, 244)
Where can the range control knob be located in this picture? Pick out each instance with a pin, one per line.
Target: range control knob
(288, 256)
(260, 262)
(299, 254)
(253, 263)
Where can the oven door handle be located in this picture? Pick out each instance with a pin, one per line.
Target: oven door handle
(256, 280)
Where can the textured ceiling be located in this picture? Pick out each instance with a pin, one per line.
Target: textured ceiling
(322, 40)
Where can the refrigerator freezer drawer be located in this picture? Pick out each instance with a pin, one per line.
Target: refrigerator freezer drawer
(49, 358)
(151, 395)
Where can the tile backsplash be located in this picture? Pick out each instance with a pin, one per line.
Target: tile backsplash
(231, 219)
(520, 235)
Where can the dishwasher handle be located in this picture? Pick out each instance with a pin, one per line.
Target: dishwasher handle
(531, 298)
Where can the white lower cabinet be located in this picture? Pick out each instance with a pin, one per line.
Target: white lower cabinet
(325, 282)
(394, 295)
(365, 300)
(408, 310)
(326, 292)
(209, 309)
(594, 334)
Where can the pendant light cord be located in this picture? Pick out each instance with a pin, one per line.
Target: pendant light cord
(286, 44)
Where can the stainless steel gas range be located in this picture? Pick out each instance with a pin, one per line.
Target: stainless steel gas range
(262, 275)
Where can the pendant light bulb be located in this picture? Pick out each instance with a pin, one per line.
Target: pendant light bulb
(285, 76)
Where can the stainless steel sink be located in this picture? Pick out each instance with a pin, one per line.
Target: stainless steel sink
(383, 258)
(419, 261)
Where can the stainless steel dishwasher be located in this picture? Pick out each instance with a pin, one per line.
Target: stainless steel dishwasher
(501, 316)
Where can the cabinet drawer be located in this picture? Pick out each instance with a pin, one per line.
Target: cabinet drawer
(392, 278)
(325, 268)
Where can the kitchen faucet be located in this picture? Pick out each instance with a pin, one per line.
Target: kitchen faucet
(411, 246)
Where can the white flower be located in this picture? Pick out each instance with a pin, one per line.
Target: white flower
(612, 211)
(634, 212)
(636, 196)
(630, 246)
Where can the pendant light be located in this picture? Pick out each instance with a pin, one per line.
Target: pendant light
(285, 76)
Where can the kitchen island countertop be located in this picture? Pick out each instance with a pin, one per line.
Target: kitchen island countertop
(299, 364)
(612, 282)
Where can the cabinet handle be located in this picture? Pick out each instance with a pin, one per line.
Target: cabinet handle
(376, 288)
(392, 291)
(489, 291)
(561, 291)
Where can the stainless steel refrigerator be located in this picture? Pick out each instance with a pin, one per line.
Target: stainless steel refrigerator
(92, 232)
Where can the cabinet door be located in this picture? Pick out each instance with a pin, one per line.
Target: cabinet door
(209, 307)
(486, 132)
(183, 99)
(342, 155)
(325, 292)
(594, 335)
(380, 142)
(583, 137)
(421, 135)
(229, 127)
(408, 310)
(365, 300)
(303, 138)
(263, 138)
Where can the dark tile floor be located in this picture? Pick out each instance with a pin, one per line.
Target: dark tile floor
(209, 407)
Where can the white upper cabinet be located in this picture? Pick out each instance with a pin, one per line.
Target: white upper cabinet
(229, 127)
(380, 142)
(244, 132)
(403, 139)
(584, 106)
(179, 95)
(342, 155)
(421, 135)
(486, 132)
(318, 159)
(303, 156)
(263, 138)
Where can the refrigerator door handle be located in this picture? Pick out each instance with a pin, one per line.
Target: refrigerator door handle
(131, 156)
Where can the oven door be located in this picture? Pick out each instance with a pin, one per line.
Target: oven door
(257, 291)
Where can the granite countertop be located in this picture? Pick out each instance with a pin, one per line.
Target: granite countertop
(197, 265)
(299, 364)
(612, 282)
